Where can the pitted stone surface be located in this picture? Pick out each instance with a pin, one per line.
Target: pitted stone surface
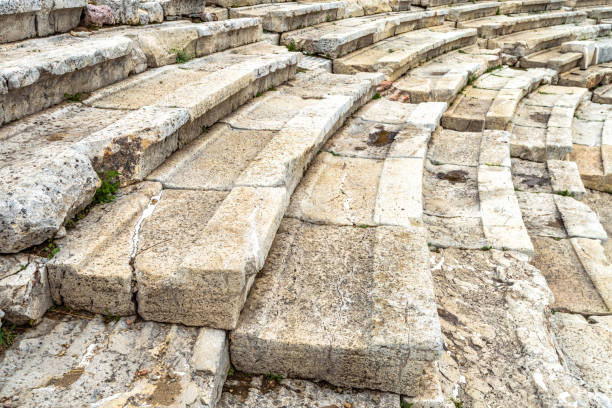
(68, 361)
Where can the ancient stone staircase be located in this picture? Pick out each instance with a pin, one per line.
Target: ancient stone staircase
(350, 227)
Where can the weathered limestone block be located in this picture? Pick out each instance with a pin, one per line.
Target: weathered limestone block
(452, 147)
(580, 221)
(150, 12)
(468, 112)
(124, 11)
(540, 214)
(472, 11)
(530, 176)
(24, 289)
(79, 362)
(97, 16)
(374, 315)
(495, 148)
(58, 16)
(450, 190)
(587, 344)
(18, 19)
(208, 284)
(596, 264)
(564, 177)
(456, 232)
(92, 270)
(40, 190)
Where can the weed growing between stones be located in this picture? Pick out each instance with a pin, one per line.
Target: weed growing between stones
(51, 249)
(565, 193)
(486, 248)
(182, 56)
(109, 317)
(495, 68)
(291, 47)
(376, 96)
(276, 377)
(406, 404)
(7, 336)
(110, 185)
(77, 97)
(458, 404)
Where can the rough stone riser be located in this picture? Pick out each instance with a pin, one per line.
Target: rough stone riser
(16, 27)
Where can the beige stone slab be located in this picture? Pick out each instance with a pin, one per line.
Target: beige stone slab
(528, 143)
(370, 139)
(587, 345)
(590, 165)
(92, 270)
(558, 143)
(76, 361)
(469, 110)
(495, 148)
(450, 191)
(399, 197)
(564, 177)
(209, 284)
(452, 147)
(373, 314)
(530, 176)
(502, 109)
(540, 215)
(213, 161)
(456, 232)
(580, 221)
(596, 264)
(571, 285)
(587, 132)
(338, 190)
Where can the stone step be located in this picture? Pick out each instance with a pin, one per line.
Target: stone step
(528, 42)
(96, 361)
(395, 56)
(565, 178)
(223, 195)
(282, 17)
(51, 158)
(38, 18)
(542, 125)
(529, 6)
(441, 79)
(341, 37)
(427, 4)
(587, 78)
(603, 94)
(496, 26)
(335, 257)
(597, 51)
(552, 58)
(492, 100)
(467, 12)
(586, 3)
(39, 73)
(599, 13)
(592, 149)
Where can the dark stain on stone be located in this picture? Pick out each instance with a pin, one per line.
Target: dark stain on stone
(381, 137)
(66, 380)
(533, 181)
(454, 176)
(166, 391)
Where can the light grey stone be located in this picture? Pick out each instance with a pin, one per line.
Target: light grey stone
(564, 177)
(450, 191)
(24, 290)
(596, 264)
(530, 176)
(457, 232)
(456, 148)
(277, 332)
(495, 148)
(125, 11)
(68, 361)
(540, 215)
(580, 221)
(40, 192)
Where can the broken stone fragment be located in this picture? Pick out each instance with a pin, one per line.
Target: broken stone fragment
(97, 16)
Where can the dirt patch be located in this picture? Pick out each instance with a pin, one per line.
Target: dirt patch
(66, 380)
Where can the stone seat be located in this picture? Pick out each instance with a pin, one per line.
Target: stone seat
(39, 73)
(282, 17)
(38, 18)
(341, 37)
(396, 55)
(185, 246)
(528, 42)
(130, 127)
(552, 58)
(466, 12)
(529, 6)
(495, 26)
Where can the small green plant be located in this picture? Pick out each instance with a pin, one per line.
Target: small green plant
(334, 153)
(462, 52)
(497, 13)
(376, 96)
(22, 268)
(274, 377)
(565, 193)
(406, 404)
(291, 46)
(390, 50)
(258, 94)
(108, 188)
(231, 372)
(182, 56)
(458, 403)
(272, 88)
(7, 336)
(545, 93)
(363, 226)
(77, 97)
(51, 249)
(204, 129)
(495, 68)
(300, 70)
(471, 79)
(486, 248)
(111, 317)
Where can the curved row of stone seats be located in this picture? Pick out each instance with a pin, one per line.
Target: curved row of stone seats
(443, 78)
(496, 26)
(529, 6)
(352, 253)
(50, 159)
(490, 102)
(36, 74)
(552, 58)
(396, 55)
(586, 3)
(542, 126)
(599, 13)
(21, 19)
(592, 148)
(528, 42)
(185, 247)
(339, 38)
